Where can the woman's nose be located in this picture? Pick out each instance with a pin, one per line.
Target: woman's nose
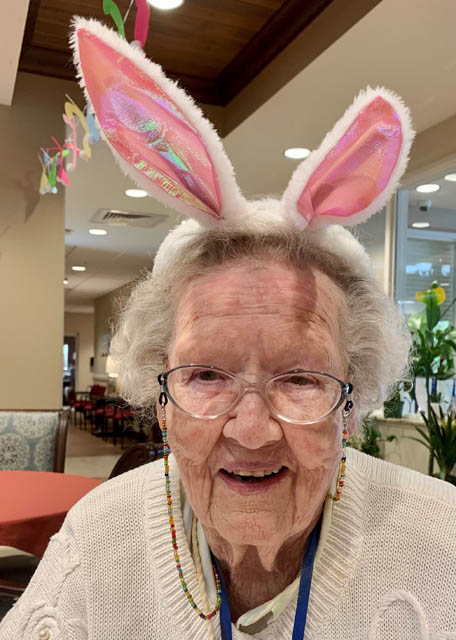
(251, 423)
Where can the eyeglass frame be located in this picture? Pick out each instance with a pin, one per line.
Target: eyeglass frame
(346, 389)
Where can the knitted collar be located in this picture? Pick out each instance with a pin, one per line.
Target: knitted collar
(335, 562)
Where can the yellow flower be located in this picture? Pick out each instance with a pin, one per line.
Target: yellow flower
(436, 294)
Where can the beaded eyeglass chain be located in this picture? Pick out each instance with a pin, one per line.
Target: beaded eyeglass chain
(166, 451)
(341, 476)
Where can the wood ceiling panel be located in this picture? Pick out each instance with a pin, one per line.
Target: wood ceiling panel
(200, 38)
(213, 47)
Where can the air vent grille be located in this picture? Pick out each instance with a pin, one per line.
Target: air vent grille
(118, 218)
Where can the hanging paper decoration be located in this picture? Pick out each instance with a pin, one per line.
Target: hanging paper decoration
(54, 168)
(110, 8)
(94, 133)
(142, 21)
(71, 110)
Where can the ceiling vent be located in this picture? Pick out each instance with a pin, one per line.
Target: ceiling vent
(118, 218)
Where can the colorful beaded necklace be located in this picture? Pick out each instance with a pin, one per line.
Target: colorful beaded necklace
(166, 451)
(341, 477)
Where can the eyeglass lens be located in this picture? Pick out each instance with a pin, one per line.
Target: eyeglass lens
(300, 397)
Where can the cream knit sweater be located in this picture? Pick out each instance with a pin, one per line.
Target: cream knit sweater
(386, 568)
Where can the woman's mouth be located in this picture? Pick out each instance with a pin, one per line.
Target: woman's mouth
(253, 476)
(247, 481)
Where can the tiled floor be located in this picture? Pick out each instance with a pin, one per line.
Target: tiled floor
(87, 455)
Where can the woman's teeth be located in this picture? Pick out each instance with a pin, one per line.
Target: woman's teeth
(256, 474)
(253, 476)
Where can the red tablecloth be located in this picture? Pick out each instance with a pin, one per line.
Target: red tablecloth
(33, 505)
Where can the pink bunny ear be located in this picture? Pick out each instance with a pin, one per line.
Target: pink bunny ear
(358, 165)
(156, 132)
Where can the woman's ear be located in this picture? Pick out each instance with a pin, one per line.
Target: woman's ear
(159, 413)
(352, 422)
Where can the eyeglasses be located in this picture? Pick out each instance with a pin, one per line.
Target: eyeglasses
(299, 396)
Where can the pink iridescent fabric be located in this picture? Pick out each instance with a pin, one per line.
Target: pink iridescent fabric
(146, 128)
(358, 168)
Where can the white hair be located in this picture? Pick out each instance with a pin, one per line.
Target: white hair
(376, 341)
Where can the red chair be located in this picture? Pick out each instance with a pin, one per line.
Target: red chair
(77, 406)
(95, 399)
(112, 420)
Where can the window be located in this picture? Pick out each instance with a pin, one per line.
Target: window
(426, 242)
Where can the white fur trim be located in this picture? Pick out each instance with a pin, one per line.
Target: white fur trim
(233, 203)
(174, 242)
(306, 168)
(263, 216)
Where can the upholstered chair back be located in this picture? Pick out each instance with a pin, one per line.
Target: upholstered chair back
(33, 440)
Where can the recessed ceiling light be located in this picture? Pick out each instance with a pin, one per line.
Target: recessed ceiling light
(65, 281)
(98, 232)
(428, 188)
(165, 4)
(296, 153)
(136, 193)
(421, 225)
(78, 267)
(451, 177)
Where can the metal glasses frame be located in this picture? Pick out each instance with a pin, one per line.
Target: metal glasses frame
(346, 388)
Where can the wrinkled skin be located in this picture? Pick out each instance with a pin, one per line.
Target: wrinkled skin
(257, 319)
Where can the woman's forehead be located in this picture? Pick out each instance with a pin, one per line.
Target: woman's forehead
(275, 296)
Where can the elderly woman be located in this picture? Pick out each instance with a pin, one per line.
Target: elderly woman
(259, 337)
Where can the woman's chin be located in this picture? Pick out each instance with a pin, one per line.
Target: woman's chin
(250, 530)
(248, 513)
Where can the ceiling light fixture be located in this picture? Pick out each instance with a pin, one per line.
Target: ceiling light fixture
(421, 225)
(428, 188)
(136, 193)
(98, 232)
(165, 4)
(296, 153)
(451, 177)
(78, 267)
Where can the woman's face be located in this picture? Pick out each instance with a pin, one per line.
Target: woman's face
(257, 320)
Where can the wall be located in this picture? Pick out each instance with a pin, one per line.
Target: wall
(106, 309)
(81, 325)
(31, 249)
(430, 148)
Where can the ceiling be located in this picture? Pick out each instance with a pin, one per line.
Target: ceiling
(397, 44)
(213, 48)
(440, 207)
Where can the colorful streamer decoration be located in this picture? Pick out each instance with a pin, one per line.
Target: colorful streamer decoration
(53, 167)
(110, 8)
(65, 158)
(142, 21)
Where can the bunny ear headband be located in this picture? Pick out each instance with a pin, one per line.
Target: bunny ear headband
(161, 139)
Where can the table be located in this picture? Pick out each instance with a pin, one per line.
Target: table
(33, 505)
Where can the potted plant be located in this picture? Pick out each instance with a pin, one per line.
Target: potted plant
(368, 440)
(393, 406)
(434, 348)
(440, 439)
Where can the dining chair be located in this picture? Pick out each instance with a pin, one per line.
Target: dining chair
(33, 440)
(136, 456)
(16, 571)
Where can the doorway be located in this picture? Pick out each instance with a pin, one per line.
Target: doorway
(69, 369)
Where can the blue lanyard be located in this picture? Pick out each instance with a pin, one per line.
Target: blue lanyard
(303, 594)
